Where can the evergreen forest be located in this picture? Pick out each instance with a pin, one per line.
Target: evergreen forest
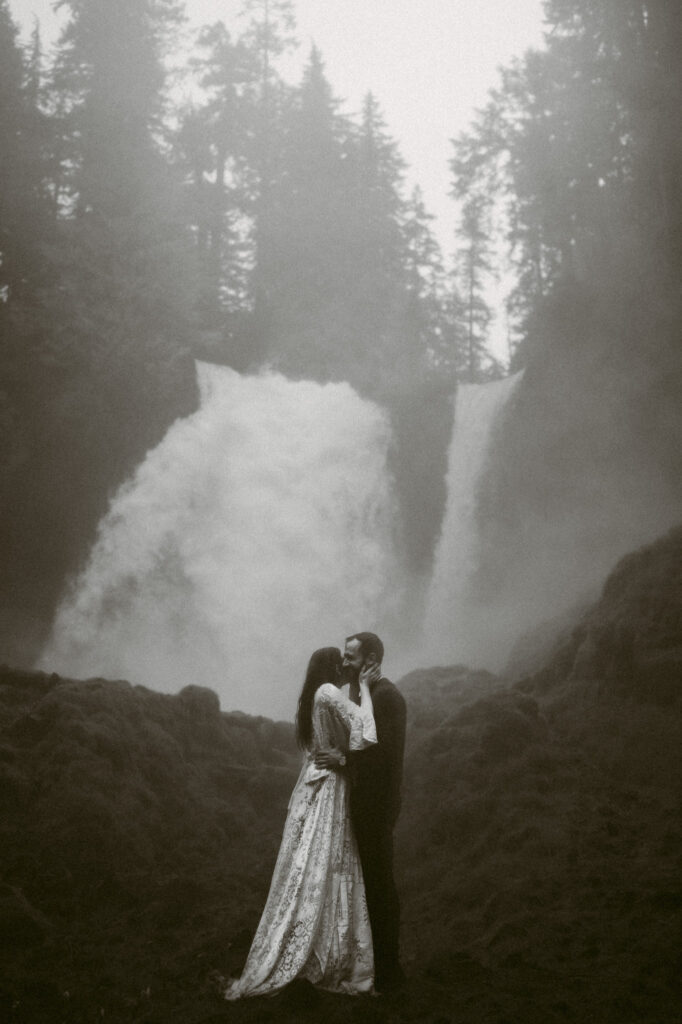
(253, 222)
(164, 202)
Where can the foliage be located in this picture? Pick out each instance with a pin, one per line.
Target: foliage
(255, 224)
(212, 146)
(539, 834)
(577, 155)
(475, 266)
(95, 363)
(578, 143)
(151, 821)
(536, 850)
(261, 224)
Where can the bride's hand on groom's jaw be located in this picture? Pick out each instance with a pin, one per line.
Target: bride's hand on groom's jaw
(370, 673)
(331, 759)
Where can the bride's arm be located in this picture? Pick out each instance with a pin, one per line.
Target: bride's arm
(359, 720)
(365, 711)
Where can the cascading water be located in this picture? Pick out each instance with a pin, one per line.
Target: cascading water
(261, 528)
(455, 629)
(258, 530)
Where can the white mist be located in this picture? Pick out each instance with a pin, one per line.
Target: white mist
(258, 530)
(456, 630)
(262, 527)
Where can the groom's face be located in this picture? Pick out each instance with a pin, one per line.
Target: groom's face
(352, 661)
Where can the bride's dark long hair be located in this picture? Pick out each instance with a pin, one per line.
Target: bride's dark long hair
(323, 667)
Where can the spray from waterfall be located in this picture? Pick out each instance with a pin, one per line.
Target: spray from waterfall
(258, 530)
(456, 628)
(264, 526)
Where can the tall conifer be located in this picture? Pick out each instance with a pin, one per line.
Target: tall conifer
(302, 259)
(474, 263)
(127, 262)
(216, 146)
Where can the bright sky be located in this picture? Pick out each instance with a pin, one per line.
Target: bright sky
(430, 64)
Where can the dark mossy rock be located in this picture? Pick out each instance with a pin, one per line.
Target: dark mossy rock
(200, 701)
(21, 924)
(630, 642)
(548, 643)
(132, 822)
(434, 693)
(540, 833)
(537, 851)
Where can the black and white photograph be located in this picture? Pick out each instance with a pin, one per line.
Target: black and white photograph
(340, 511)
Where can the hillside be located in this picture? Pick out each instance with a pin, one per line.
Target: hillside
(138, 834)
(538, 848)
(542, 828)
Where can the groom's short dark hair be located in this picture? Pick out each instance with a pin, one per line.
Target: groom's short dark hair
(369, 644)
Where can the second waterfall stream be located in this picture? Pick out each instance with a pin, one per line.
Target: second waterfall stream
(263, 526)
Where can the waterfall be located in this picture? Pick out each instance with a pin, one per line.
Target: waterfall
(261, 528)
(258, 530)
(456, 630)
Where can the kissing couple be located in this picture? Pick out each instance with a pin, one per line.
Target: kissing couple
(332, 915)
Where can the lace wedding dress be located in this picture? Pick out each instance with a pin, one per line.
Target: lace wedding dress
(315, 923)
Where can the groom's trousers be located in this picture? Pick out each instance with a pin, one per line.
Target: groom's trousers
(375, 846)
(376, 775)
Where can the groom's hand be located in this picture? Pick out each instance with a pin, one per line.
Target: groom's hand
(331, 759)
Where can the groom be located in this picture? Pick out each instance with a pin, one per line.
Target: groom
(376, 777)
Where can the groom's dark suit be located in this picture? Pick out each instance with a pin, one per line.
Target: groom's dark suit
(376, 778)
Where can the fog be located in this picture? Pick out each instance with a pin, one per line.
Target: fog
(165, 206)
(456, 629)
(265, 526)
(260, 529)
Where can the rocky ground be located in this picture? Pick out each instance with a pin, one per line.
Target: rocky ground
(538, 851)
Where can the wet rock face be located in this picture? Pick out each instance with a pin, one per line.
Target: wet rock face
(434, 692)
(548, 643)
(628, 641)
(632, 639)
(538, 826)
(200, 702)
(130, 822)
(23, 925)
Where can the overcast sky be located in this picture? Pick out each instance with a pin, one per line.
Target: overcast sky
(430, 64)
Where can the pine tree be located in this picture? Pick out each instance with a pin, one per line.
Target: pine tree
(628, 51)
(418, 389)
(378, 249)
(432, 345)
(380, 201)
(126, 260)
(475, 266)
(24, 209)
(27, 229)
(215, 146)
(103, 362)
(268, 35)
(28, 355)
(566, 142)
(302, 253)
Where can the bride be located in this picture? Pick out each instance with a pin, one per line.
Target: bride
(315, 923)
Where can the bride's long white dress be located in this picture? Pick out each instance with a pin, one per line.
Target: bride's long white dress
(315, 923)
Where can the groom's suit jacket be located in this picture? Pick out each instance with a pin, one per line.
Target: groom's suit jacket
(376, 773)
